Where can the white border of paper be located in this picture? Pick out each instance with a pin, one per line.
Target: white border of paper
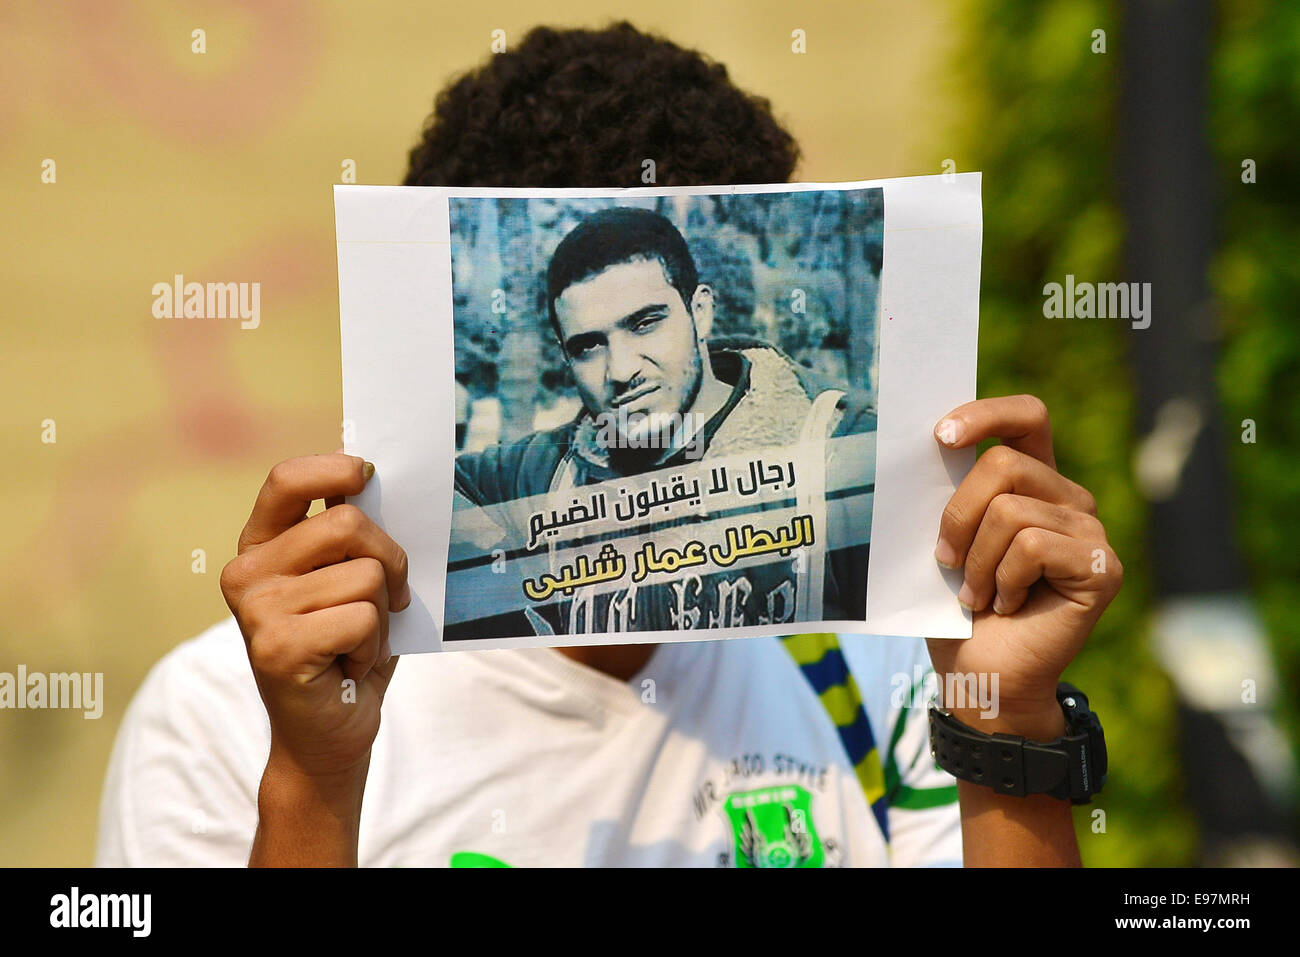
(395, 295)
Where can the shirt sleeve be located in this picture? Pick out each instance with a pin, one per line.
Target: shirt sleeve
(181, 788)
(922, 810)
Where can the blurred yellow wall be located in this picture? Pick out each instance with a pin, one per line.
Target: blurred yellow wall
(219, 166)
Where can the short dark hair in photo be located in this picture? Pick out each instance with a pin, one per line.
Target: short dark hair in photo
(619, 235)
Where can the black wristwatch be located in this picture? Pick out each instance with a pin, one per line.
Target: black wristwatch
(1072, 766)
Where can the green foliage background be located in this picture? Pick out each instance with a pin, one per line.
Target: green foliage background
(1255, 100)
(1041, 125)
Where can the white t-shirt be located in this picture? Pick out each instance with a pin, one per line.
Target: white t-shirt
(717, 753)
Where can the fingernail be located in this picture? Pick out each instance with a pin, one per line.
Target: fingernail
(945, 554)
(367, 470)
(949, 431)
(965, 597)
(406, 596)
(997, 605)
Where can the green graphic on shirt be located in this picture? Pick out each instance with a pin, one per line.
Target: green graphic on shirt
(475, 859)
(773, 827)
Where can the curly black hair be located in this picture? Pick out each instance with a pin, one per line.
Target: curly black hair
(587, 107)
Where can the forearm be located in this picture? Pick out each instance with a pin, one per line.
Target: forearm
(307, 822)
(1002, 831)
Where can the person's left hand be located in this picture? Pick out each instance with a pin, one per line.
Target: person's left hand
(1038, 569)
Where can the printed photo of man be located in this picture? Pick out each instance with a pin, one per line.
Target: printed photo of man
(633, 321)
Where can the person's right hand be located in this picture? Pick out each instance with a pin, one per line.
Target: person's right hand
(312, 597)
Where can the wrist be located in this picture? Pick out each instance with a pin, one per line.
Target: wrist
(285, 780)
(307, 819)
(1034, 723)
(1036, 717)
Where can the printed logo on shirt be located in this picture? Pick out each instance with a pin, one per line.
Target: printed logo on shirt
(475, 859)
(773, 827)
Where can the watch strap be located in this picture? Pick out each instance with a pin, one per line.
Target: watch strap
(1072, 766)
